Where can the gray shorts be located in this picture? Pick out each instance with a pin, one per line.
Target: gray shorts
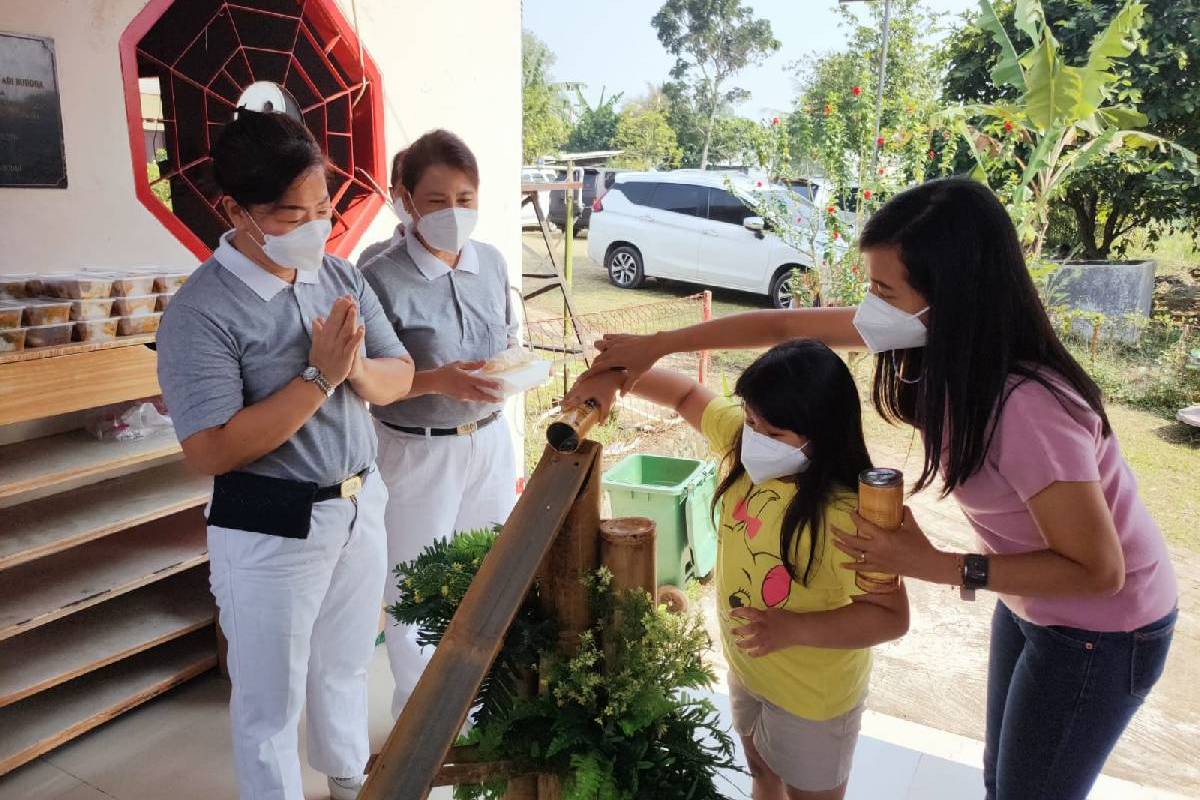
(809, 755)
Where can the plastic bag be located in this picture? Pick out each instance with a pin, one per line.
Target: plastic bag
(127, 422)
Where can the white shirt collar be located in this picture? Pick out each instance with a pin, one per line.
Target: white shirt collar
(261, 282)
(433, 267)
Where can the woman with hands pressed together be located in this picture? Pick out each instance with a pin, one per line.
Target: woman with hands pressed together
(796, 628)
(1015, 430)
(267, 358)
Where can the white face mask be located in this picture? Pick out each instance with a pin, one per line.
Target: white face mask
(448, 229)
(302, 248)
(884, 327)
(402, 213)
(766, 459)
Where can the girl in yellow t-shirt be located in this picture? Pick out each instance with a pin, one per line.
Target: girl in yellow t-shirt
(796, 630)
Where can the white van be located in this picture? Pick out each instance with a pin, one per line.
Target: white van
(693, 226)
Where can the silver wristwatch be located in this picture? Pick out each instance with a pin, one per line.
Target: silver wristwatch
(314, 376)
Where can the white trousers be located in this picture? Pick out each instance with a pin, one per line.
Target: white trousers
(301, 617)
(437, 485)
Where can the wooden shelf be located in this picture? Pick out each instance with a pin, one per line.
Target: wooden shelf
(41, 591)
(39, 724)
(96, 637)
(77, 455)
(57, 523)
(75, 348)
(35, 384)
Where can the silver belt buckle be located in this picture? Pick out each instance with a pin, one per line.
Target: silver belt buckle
(351, 487)
(469, 428)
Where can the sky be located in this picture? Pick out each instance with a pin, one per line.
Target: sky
(611, 44)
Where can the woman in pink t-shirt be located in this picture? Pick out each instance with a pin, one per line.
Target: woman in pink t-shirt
(1016, 431)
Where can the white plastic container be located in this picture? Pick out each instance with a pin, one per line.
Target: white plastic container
(521, 378)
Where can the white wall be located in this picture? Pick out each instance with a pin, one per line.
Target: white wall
(451, 64)
(454, 64)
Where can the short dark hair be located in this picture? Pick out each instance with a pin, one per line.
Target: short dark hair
(258, 155)
(398, 165)
(433, 148)
(988, 329)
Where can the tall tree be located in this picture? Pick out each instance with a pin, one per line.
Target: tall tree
(646, 140)
(596, 126)
(712, 40)
(1121, 192)
(544, 125)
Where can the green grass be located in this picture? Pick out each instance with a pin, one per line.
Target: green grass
(1175, 253)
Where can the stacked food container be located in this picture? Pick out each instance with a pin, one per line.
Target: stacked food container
(88, 306)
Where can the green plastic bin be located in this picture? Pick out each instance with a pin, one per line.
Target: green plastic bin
(676, 493)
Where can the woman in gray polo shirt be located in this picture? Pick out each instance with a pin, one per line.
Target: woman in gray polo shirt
(266, 357)
(444, 451)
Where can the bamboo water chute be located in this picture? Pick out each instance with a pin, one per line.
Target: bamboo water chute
(553, 537)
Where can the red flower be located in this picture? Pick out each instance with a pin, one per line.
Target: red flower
(758, 184)
(774, 120)
(856, 91)
(836, 235)
(866, 194)
(831, 209)
(1008, 126)
(880, 141)
(881, 170)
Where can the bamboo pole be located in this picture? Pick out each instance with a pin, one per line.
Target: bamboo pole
(627, 550)
(574, 556)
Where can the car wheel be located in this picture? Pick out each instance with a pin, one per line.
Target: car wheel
(624, 266)
(781, 289)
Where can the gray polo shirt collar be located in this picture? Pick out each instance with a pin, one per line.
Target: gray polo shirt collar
(263, 283)
(433, 267)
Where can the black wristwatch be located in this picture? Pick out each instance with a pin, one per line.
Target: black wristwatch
(974, 574)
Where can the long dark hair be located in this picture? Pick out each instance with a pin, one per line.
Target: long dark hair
(259, 154)
(986, 323)
(802, 386)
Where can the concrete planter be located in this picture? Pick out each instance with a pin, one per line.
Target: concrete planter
(1119, 291)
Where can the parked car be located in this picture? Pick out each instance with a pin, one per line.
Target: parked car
(694, 227)
(596, 181)
(536, 175)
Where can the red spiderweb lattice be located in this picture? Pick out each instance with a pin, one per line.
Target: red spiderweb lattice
(204, 54)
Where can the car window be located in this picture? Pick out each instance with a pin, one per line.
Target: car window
(724, 207)
(680, 198)
(637, 192)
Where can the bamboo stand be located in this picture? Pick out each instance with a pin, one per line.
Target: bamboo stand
(553, 536)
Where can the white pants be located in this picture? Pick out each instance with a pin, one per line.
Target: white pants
(301, 617)
(437, 485)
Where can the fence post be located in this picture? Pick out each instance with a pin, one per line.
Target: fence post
(707, 315)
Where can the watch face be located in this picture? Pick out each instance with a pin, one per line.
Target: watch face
(310, 374)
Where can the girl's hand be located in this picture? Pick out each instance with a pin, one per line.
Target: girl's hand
(601, 387)
(765, 632)
(904, 551)
(631, 354)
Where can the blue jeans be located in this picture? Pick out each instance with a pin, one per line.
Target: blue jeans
(1059, 699)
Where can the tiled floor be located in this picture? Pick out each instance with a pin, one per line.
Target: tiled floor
(177, 748)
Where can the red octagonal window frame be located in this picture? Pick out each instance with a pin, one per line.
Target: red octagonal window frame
(204, 54)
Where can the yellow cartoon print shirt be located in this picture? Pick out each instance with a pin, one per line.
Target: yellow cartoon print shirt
(810, 682)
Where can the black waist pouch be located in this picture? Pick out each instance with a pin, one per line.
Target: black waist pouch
(275, 506)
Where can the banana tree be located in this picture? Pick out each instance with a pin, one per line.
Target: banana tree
(1066, 116)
